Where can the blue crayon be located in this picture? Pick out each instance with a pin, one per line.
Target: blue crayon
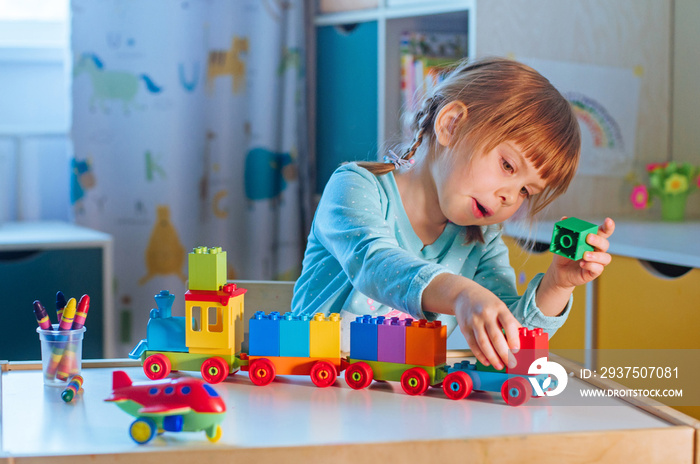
(60, 304)
(42, 316)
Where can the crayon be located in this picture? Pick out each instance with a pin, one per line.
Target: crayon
(42, 316)
(82, 312)
(74, 387)
(67, 316)
(60, 304)
(68, 364)
(57, 352)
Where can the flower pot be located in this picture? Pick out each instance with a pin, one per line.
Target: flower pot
(673, 207)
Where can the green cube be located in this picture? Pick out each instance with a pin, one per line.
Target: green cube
(569, 238)
(207, 268)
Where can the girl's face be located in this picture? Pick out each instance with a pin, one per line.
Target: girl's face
(486, 188)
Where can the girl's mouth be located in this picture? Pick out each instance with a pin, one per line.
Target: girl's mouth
(479, 210)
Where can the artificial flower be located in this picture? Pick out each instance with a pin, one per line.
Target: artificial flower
(676, 183)
(639, 197)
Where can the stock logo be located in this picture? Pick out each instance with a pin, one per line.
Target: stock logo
(555, 382)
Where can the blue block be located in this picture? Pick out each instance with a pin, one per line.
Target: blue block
(264, 333)
(294, 336)
(363, 337)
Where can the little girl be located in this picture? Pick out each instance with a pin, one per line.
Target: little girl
(421, 234)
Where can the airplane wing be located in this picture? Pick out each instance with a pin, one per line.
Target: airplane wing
(162, 409)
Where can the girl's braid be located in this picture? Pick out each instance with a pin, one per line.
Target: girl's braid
(422, 123)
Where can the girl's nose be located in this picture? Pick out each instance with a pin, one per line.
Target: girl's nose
(507, 196)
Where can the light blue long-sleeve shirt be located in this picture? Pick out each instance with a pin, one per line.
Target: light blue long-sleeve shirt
(363, 257)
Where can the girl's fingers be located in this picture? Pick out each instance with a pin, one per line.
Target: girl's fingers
(489, 353)
(474, 347)
(597, 257)
(500, 345)
(607, 228)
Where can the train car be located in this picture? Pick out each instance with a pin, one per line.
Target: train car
(294, 345)
(407, 351)
(514, 384)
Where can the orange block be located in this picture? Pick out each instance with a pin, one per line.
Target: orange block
(295, 366)
(426, 343)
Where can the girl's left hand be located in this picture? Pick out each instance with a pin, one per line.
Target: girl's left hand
(568, 273)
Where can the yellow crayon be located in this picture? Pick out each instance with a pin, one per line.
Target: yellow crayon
(68, 315)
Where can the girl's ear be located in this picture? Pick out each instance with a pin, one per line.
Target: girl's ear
(447, 121)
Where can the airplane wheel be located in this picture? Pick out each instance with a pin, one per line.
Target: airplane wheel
(214, 370)
(415, 381)
(359, 375)
(261, 372)
(213, 435)
(515, 391)
(157, 366)
(142, 430)
(323, 374)
(457, 385)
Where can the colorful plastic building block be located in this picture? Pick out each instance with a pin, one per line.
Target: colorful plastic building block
(391, 340)
(363, 337)
(569, 238)
(212, 319)
(426, 343)
(179, 405)
(324, 336)
(264, 330)
(294, 336)
(207, 268)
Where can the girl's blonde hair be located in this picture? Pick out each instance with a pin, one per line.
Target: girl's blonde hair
(506, 101)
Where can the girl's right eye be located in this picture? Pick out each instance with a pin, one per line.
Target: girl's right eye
(506, 165)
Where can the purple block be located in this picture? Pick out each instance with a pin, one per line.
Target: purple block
(391, 340)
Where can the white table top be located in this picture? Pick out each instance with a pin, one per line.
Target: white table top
(290, 412)
(664, 242)
(48, 235)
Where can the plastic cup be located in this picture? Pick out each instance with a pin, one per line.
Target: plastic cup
(61, 355)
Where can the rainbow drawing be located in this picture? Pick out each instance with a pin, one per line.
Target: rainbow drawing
(594, 116)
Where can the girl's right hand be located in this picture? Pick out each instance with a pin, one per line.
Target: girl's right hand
(482, 318)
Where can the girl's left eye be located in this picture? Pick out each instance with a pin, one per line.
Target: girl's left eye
(524, 192)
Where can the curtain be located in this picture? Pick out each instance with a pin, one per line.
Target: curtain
(188, 129)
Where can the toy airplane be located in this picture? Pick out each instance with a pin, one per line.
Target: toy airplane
(174, 405)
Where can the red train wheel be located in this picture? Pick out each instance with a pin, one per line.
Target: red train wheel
(261, 372)
(515, 391)
(323, 374)
(415, 381)
(214, 370)
(457, 385)
(359, 375)
(157, 366)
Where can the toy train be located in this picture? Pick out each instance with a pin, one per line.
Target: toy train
(209, 340)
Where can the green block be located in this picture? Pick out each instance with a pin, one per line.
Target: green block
(569, 238)
(485, 368)
(207, 268)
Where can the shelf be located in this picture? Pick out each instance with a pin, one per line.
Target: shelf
(393, 12)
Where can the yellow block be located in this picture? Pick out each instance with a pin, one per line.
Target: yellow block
(324, 336)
